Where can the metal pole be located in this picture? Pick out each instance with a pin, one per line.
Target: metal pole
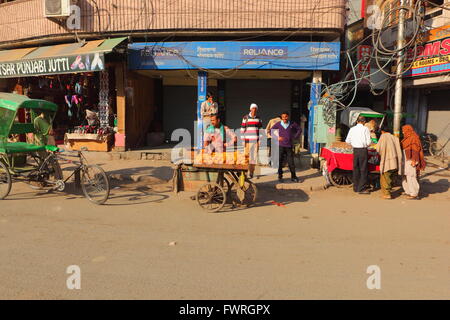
(400, 65)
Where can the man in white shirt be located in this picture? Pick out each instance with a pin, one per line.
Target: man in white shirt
(359, 138)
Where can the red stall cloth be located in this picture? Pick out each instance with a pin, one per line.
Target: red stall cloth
(344, 161)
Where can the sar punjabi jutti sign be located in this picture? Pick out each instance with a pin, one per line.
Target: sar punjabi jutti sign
(54, 65)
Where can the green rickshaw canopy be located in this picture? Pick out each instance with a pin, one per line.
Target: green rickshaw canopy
(350, 115)
(9, 105)
(14, 102)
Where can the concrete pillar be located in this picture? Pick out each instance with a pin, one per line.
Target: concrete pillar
(120, 137)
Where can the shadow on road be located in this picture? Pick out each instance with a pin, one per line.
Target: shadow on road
(440, 172)
(428, 188)
(267, 196)
(123, 194)
(164, 173)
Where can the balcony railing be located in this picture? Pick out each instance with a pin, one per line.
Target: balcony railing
(24, 20)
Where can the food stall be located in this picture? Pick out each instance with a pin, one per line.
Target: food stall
(338, 165)
(222, 179)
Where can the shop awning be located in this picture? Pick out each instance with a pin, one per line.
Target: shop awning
(77, 57)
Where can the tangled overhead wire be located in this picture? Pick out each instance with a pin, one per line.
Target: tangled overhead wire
(336, 96)
(381, 51)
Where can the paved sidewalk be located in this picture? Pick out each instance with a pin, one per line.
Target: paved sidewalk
(160, 172)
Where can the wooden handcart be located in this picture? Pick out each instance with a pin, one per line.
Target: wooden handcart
(230, 186)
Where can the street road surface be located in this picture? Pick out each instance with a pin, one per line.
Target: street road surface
(151, 244)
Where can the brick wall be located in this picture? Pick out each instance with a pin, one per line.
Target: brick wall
(23, 19)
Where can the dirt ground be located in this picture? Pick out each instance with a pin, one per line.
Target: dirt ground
(148, 243)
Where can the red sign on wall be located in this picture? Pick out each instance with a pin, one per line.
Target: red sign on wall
(364, 53)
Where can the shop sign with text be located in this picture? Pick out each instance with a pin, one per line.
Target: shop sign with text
(235, 55)
(55, 65)
(433, 56)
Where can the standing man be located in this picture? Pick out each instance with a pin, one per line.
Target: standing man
(208, 109)
(287, 133)
(390, 160)
(251, 123)
(359, 138)
(269, 127)
(42, 129)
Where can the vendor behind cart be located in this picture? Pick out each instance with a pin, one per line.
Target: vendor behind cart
(219, 138)
(359, 138)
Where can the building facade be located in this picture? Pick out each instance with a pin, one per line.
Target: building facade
(149, 101)
(426, 84)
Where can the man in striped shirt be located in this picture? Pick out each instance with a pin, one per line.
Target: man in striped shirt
(251, 123)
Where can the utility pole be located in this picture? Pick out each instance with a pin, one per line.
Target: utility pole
(400, 65)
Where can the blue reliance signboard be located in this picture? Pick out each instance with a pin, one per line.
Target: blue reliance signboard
(234, 55)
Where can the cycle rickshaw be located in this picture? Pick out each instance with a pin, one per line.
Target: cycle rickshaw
(35, 164)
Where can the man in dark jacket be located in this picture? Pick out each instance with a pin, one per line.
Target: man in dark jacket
(287, 132)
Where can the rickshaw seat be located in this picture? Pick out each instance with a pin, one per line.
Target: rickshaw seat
(21, 147)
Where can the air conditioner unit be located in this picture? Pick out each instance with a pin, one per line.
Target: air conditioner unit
(56, 8)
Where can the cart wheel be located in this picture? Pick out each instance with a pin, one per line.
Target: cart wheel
(211, 197)
(95, 184)
(246, 195)
(227, 186)
(340, 178)
(5, 181)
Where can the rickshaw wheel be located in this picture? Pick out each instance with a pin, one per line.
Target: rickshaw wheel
(5, 181)
(211, 197)
(340, 178)
(52, 173)
(95, 184)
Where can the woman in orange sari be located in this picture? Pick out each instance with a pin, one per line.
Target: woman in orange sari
(414, 161)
